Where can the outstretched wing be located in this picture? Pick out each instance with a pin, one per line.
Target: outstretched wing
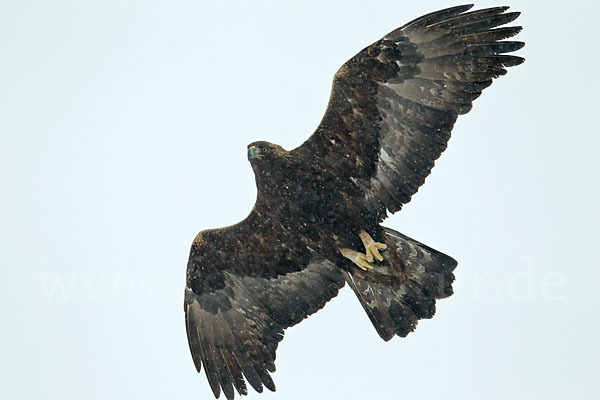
(393, 105)
(245, 285)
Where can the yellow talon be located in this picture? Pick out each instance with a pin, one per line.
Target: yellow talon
(363, 261)
(359, 259)
(371, 247)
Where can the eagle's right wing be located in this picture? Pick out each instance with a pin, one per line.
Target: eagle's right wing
(245, 285)
(393, 105)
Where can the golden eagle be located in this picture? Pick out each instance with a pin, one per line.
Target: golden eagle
(316, 222)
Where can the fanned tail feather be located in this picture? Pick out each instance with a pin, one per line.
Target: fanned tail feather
(412, 278)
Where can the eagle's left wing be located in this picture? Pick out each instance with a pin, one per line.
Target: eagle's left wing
(245, 285)
(393, 105)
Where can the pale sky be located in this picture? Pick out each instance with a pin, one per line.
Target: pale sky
(123, 132)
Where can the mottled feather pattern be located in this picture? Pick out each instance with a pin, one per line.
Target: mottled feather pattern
(423, 275)
(419, 78)
(240, 340)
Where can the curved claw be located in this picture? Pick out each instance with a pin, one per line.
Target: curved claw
(371, 247)
(359, 259)
(373, 250)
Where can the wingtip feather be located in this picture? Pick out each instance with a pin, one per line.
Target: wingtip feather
(436, 16)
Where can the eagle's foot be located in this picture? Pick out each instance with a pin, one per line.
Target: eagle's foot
(371, 247)
(357, 258)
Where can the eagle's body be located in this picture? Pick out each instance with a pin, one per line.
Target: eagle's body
(307, 199)
(389, 117)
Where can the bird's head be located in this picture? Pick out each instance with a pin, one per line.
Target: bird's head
(264, 152)
(269, 163)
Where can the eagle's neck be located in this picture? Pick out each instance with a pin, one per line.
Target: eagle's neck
(275, 178)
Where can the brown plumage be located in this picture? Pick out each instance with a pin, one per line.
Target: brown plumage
(390, 115)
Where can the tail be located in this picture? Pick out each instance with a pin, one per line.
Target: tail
(403, 288)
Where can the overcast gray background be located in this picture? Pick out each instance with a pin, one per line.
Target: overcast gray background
(123, 127)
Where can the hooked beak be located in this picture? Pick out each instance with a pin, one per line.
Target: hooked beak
(254, 152)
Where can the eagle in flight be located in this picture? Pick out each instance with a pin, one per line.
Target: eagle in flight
(315, 225)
